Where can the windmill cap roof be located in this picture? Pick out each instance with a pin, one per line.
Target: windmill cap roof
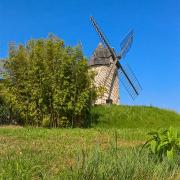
(101, 56)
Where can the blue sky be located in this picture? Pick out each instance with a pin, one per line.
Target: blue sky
(154, 56)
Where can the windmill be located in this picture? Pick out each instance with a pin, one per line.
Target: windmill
(109, 71)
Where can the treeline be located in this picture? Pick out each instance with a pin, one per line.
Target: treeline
(47, 84)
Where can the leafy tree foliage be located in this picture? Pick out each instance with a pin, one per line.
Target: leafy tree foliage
(48, 83)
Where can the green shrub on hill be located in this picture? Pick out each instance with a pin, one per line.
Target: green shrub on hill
(45, 79)
(163, 144)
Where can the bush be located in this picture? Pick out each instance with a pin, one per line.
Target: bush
(46, 122)
(163, 144)
(45, 78)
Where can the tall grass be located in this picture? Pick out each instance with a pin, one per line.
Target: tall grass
(121, 164)
(109, 150)
(29, 153)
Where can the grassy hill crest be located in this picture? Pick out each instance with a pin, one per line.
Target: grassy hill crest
(134, 117)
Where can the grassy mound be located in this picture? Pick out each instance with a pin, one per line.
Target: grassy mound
(134, 117)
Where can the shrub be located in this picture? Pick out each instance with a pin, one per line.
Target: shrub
(163, 144)
(46, 121)
(46, 78)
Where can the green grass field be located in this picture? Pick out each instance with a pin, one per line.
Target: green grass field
(108, 150)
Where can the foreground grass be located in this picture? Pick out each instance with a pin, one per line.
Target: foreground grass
(134, 117)
(38, 153)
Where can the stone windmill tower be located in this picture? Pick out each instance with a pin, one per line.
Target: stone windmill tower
(109, 71)
(101, 62)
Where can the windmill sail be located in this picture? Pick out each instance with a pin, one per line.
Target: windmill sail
(126, 75)
(126, 44)
(129, 81)
(102, 37)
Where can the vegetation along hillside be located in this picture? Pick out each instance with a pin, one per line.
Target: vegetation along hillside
(134, 117)
(47, 86)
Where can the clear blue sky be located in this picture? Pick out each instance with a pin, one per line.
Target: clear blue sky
(154, 56)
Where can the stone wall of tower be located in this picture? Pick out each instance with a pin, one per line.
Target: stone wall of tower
(102, 72)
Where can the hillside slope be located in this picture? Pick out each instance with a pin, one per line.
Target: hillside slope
(134, 117)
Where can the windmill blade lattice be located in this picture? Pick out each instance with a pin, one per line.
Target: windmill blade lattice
(126, 75)
(126, 43)
(102, 37)
(129, 81)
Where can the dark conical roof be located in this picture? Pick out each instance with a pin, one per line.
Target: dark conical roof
(101, 56)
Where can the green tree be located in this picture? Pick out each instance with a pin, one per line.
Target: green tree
(48, 83)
